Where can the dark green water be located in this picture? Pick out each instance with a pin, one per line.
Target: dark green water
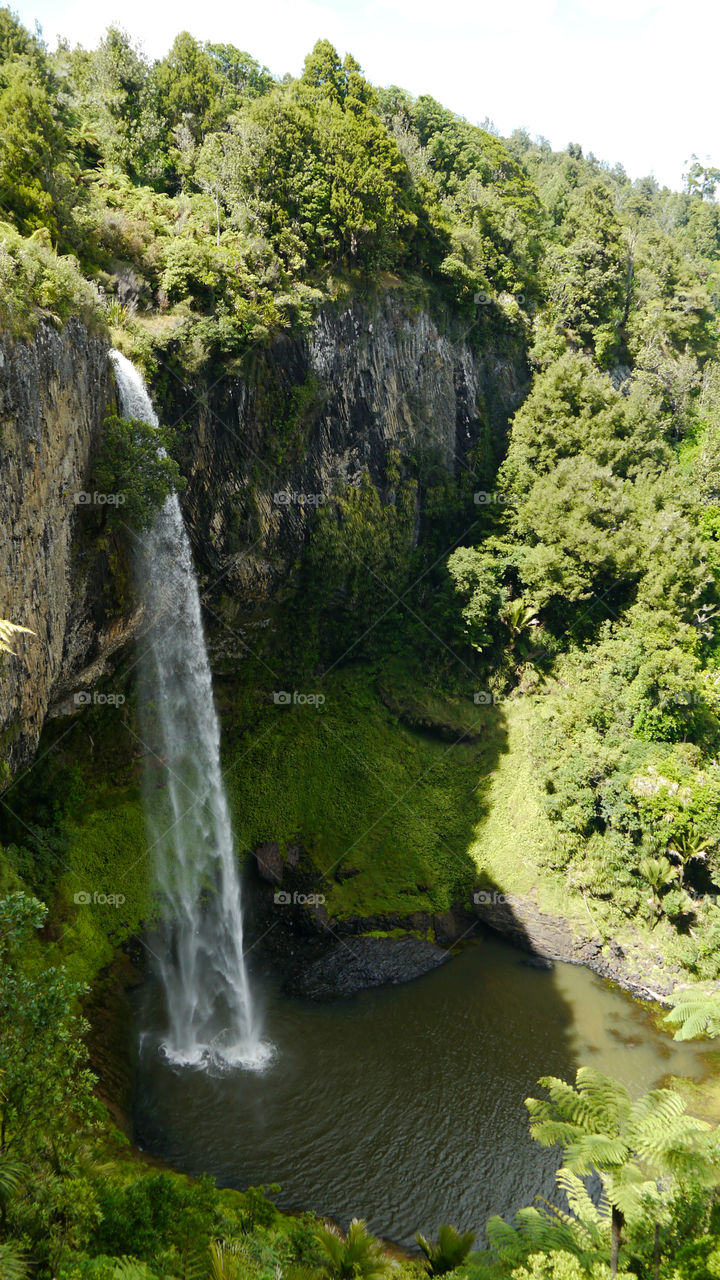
(404, 1106)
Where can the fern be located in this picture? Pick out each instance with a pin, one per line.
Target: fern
(637, 1148)
(131, 1269)
(694, 1014)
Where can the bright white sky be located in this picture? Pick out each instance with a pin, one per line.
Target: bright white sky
(634, 81)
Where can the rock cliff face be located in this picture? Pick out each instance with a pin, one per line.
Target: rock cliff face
(313, 414)
(265, 445)
(53, 397)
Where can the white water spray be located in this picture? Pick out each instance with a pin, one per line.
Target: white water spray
(200, 959)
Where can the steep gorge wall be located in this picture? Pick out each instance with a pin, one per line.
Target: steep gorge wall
(312, 414)
(53, 397)
(306, 416)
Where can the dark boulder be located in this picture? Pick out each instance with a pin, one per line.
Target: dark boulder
(269, 862)
(355, 963)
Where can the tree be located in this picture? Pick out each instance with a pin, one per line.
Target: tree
(47, 1107)
(243, 75)
(701, 180)
(16, 41)
(368, 208)
(323, 71)
(574, 409)
(116, 100)
(13, 1264)
(687, 847)
(133, 465)
(585, 276)
(354, 1256)
(658, 874)
(519, 616)
(477, 577)
(634, 1147)
(695, 1013)
(47, 1088)
(582, 1234)
(449, 1250)
(189, 86)
(33, 151)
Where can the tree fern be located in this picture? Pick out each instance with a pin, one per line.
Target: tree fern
(632, 1146)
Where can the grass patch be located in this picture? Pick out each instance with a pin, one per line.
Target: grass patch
(362, 792)
(513, 838)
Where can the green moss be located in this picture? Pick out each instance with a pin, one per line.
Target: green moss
(74, 825)
(107, 856)
(363, 793)
(398, 933)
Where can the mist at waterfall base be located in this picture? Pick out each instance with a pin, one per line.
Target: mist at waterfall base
(198, 948)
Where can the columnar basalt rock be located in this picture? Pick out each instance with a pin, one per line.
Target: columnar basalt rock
(378, 381)
(54, 395)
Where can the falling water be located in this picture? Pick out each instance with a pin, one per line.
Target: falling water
(200, 953)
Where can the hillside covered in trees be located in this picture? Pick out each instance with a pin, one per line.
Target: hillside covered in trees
(195, 210)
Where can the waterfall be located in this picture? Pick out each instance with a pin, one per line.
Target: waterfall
(199, 955)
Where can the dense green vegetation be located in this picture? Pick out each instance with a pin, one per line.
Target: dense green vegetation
(538, 635)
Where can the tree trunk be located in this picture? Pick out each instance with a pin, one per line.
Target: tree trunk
(618, 1222)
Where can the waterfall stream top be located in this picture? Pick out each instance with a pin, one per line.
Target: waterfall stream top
(198, 948)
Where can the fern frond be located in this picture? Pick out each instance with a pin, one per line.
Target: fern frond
(695, 1014)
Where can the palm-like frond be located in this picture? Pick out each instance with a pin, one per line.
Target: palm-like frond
(448, 1252)
(607, 1101)
(13, 1264)
(596, 1104)
(590, 1151)
(357, 1254)
(544, 1231)
(12, 1173)
(635, 1146)
(227, 1261)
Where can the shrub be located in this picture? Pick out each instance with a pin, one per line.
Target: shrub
(133, 462)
